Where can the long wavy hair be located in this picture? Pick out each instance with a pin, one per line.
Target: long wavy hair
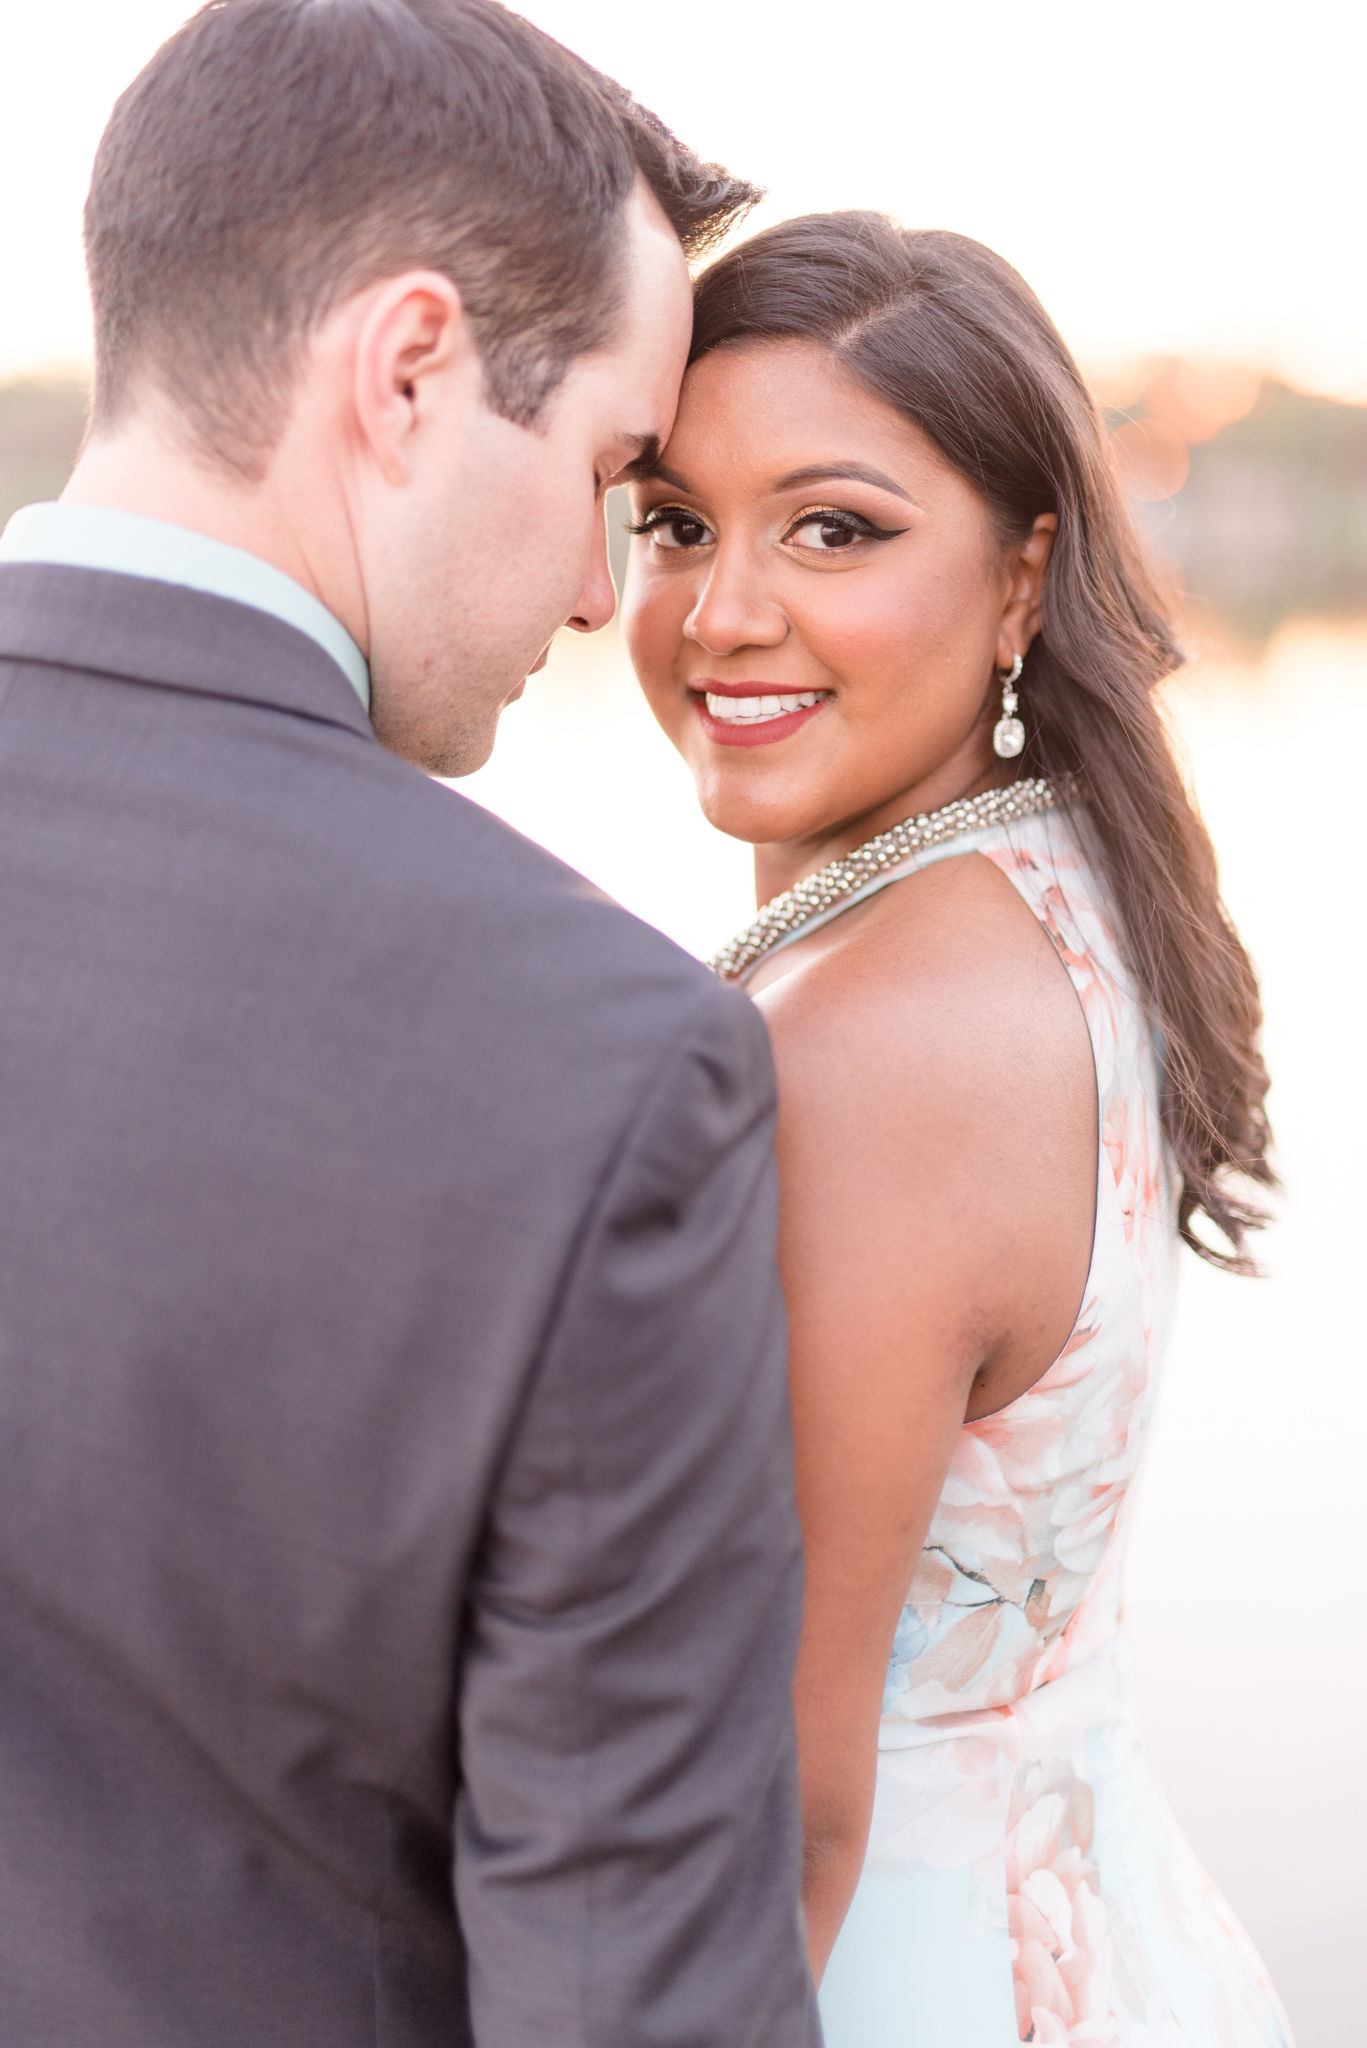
(950, 337)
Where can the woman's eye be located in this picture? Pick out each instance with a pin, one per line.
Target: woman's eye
(671, 527)
(824, 532)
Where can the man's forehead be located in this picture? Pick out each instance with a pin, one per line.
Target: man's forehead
(660, 288)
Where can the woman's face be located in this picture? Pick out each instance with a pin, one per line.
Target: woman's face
(818, 603)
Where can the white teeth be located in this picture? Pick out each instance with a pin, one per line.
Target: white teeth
(753, 710)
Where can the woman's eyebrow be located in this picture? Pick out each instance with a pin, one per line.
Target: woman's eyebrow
(841, 472)
(643, 470)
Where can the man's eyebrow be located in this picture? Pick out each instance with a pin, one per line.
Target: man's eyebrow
(842, 472)
(644, 462)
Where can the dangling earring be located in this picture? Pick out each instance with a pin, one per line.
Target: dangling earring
(1008, 735)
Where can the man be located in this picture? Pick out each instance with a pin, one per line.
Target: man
(395, 1507)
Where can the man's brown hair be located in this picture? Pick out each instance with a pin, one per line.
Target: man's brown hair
(277, 156)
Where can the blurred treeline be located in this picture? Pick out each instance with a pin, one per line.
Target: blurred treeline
(1254, 493)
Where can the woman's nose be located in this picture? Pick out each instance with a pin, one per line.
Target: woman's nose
(732, 611)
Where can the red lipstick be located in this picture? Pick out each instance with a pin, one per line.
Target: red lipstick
(757, 730)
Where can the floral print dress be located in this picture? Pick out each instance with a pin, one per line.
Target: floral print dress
(1024, 1878)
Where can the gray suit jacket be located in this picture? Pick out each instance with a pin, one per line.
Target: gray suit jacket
(400, 1574)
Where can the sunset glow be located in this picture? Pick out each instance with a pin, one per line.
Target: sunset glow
(1175, 180)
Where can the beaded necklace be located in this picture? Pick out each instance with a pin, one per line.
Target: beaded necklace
(786, 914)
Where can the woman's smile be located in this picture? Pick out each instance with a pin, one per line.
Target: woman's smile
(752, 714)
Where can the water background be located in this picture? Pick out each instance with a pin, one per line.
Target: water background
(1247, 1617)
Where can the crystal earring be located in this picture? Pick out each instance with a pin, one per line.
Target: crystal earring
(1008, 735)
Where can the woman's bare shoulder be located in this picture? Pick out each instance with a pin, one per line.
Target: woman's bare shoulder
(949, 964)
(938, 1121)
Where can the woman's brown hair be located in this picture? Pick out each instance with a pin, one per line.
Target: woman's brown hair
(949, 336)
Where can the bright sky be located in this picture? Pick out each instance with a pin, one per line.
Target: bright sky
(1182, 176)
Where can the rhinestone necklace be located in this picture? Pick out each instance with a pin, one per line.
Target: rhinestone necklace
(787, 913)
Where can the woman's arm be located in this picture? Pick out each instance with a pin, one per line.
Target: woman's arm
(937, 1151)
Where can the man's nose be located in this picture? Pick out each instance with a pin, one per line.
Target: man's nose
(598, 598)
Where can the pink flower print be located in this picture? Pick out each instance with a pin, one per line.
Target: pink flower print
(1060, 1932)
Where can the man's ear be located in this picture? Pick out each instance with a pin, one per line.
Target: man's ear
(414, 357)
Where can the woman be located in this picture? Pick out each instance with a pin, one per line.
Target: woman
(884, 574)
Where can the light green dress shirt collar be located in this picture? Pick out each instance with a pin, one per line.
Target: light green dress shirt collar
(92, 537)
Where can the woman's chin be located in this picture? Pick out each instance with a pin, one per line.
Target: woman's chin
(742, 813)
